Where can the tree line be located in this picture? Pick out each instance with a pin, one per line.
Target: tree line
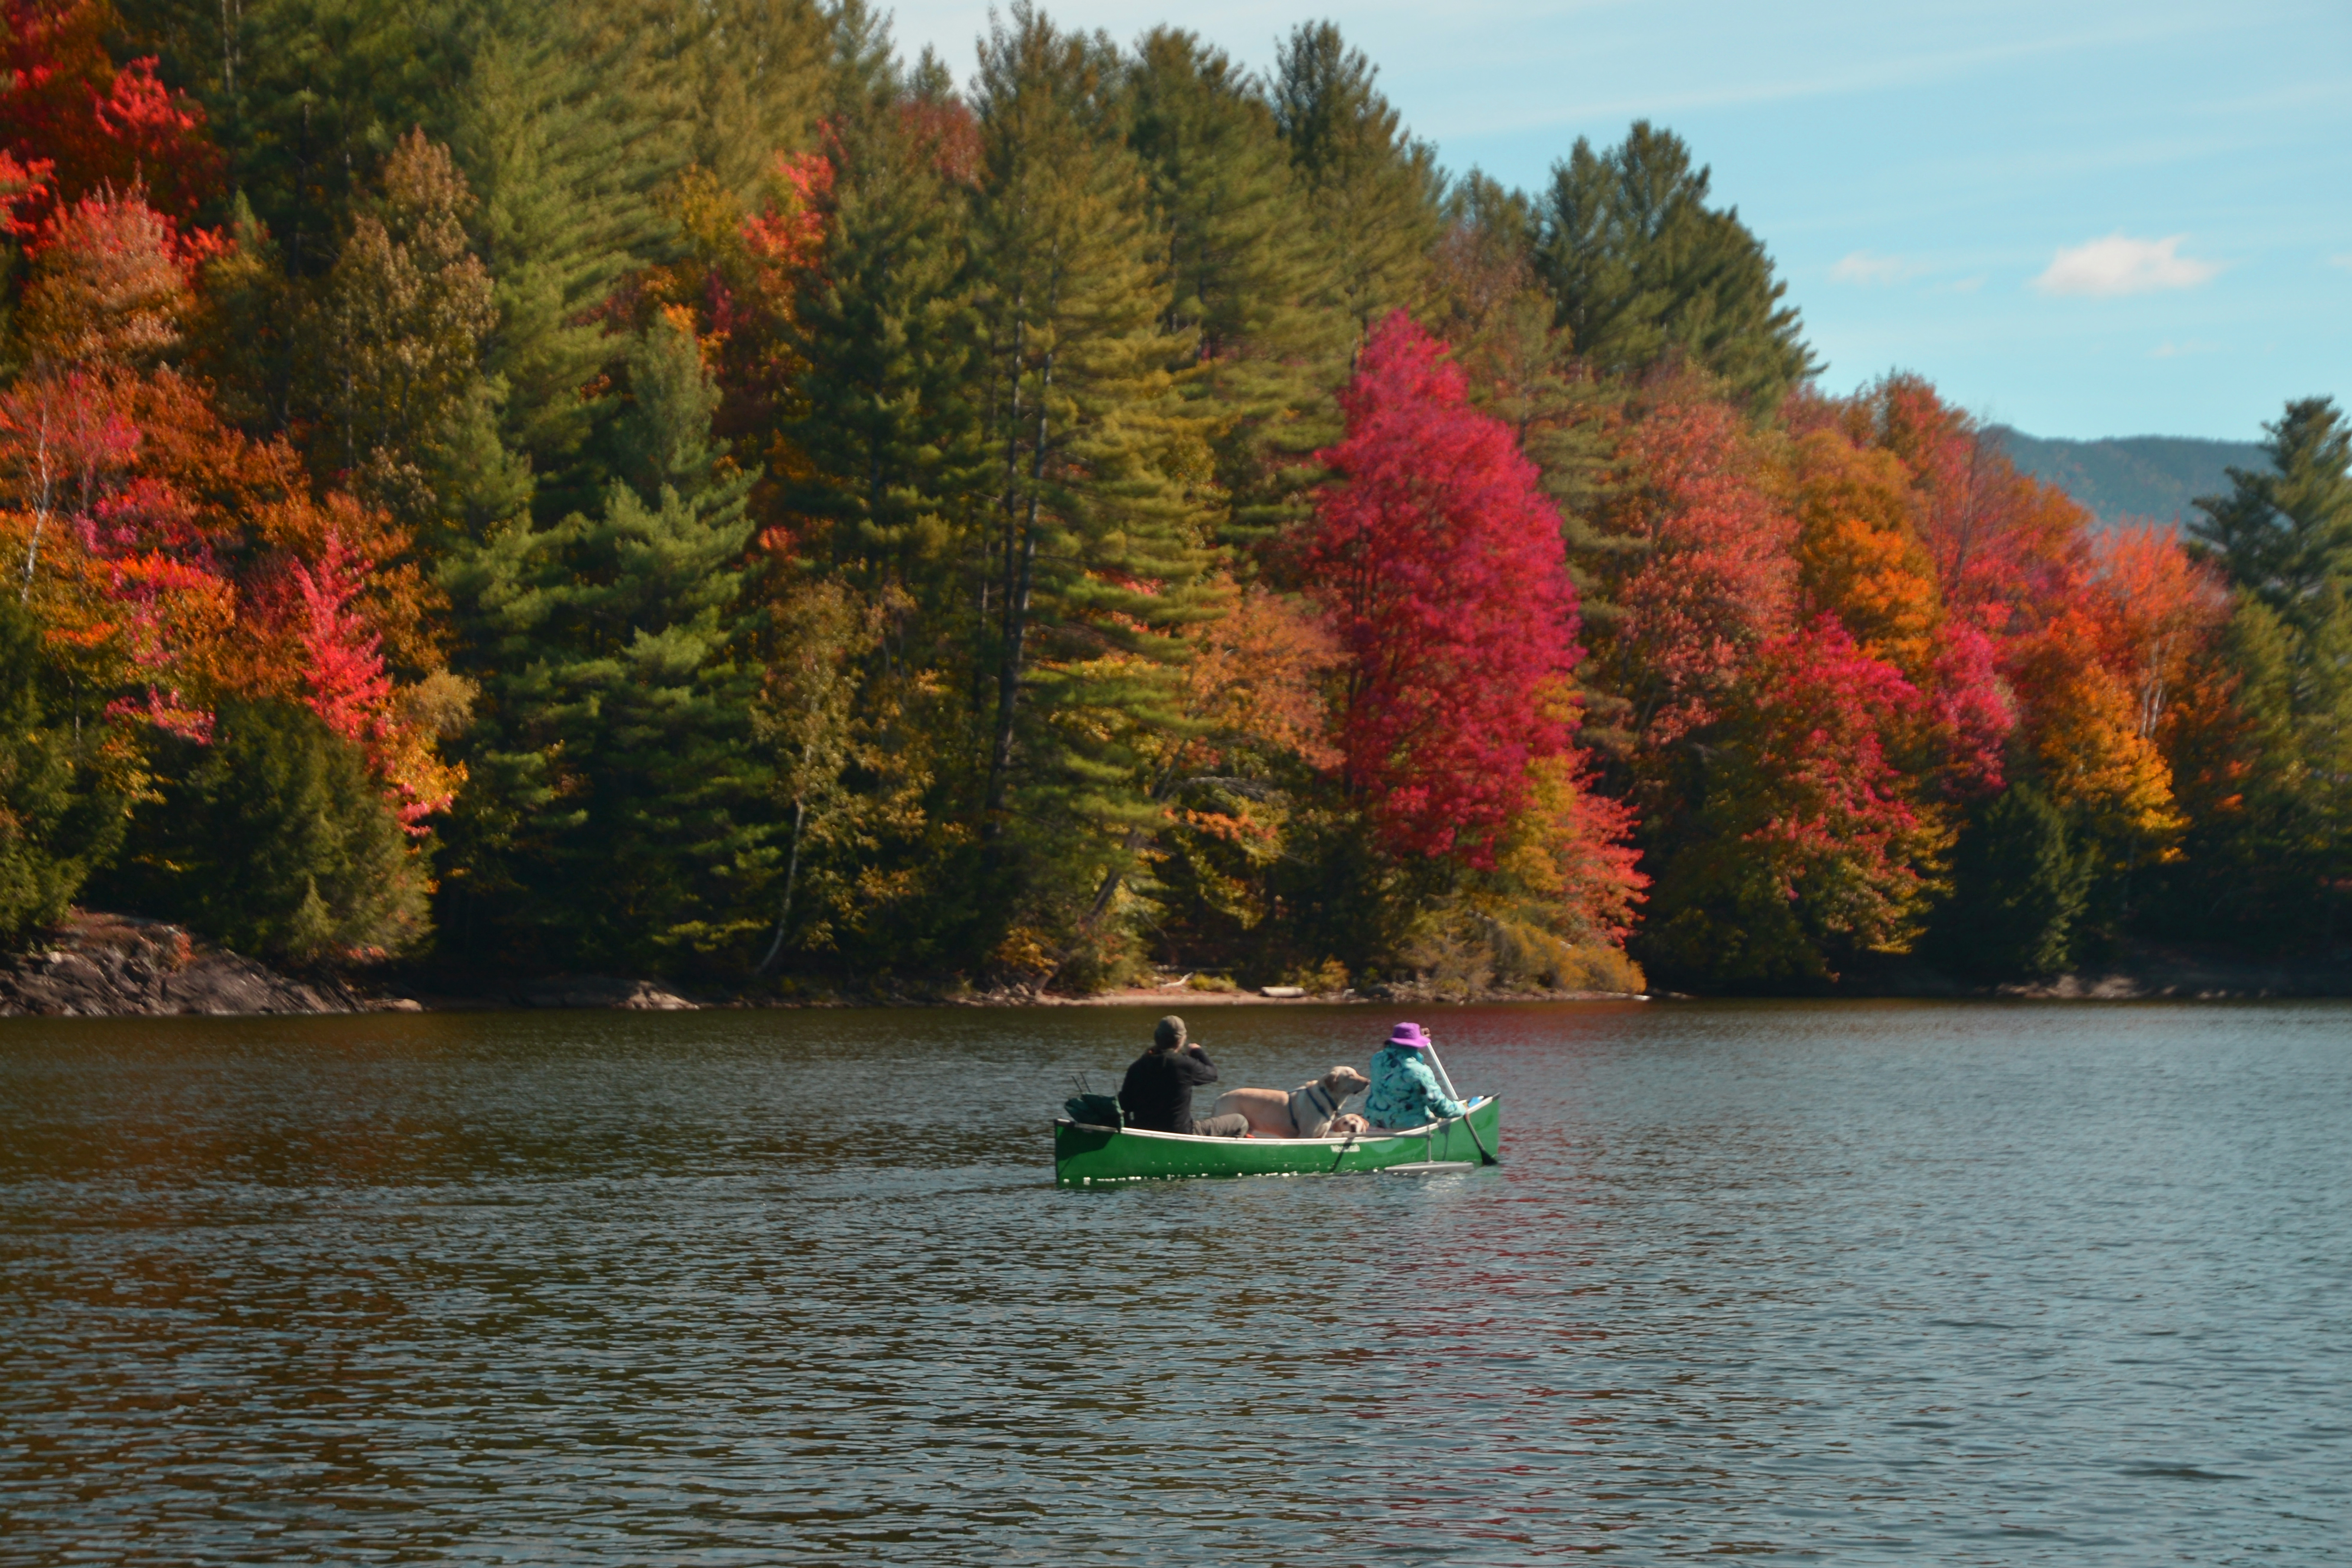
(673, 486)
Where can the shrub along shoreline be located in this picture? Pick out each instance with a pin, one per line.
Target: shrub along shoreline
(103, 965)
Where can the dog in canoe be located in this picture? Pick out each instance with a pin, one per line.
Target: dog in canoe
(1310, 1110)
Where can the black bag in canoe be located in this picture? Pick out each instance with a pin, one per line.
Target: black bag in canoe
(1094, 1110)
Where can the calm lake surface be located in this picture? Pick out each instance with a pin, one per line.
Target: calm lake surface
(1860, 1283)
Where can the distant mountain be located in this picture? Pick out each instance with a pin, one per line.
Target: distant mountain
(2145, 478)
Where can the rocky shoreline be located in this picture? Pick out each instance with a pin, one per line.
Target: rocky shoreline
(102, 966)
(116, 967)
(106, 965)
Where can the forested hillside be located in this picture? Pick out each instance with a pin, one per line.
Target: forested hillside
(672, 487)
(2134, 479)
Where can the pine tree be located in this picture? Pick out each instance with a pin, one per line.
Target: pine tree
(2284, 536)
(1372, 191)
(748, 79)
(275, 839)
(57, 820)
(1092, 548)
(2284, 541)
(618, 811)
(567, 160)
(2019, 887)
(1241, 268)
(1642, 268)
(887, 327)
(894, 500)
(1523, 370)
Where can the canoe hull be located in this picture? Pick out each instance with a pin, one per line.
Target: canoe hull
(1089, 1156)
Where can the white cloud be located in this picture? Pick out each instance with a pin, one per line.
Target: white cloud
(2171, 350)
(2122, 265)
(1863, 267)
(2344, 262)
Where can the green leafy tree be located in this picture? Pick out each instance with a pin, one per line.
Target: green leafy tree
(397, 377)
(1641, 269)
(849, 783)
(309, 97)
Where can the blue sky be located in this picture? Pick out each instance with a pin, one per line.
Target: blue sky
(2081, 217)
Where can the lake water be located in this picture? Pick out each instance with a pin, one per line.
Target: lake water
(1859, 1283)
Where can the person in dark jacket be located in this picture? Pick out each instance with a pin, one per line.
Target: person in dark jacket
(1157, 1093)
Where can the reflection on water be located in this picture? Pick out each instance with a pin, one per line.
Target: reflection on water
(1960, 1283)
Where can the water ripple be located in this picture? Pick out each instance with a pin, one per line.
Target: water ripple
(1971, 1284)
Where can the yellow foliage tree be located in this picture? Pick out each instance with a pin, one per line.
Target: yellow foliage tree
(1858, 550)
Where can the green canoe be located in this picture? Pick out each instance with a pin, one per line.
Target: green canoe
(1084, 1155)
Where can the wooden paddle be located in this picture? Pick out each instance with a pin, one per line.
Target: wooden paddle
(1446, 1079)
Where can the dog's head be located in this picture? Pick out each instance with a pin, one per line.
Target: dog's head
(1342, 1081)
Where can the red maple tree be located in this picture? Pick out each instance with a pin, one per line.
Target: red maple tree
(1441, 565)
(1718, 578)
(82, 124)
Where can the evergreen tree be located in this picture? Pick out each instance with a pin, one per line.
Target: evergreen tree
(1641, 268)
(2284, 539)
(1372, 191)
(2275, 866)
(2286, 535)
(893, 499)
(1522, 368)
(1241, 268)
(567, 159)
(747, 80)
(885, 326)
(2019, 889)
(1093, 546)
(57, 821)
(274, 840)
(616, 811)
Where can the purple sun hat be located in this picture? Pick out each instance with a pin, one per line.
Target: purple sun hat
(1410, 1037)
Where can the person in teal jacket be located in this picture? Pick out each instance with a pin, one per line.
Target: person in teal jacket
(1404, 1092)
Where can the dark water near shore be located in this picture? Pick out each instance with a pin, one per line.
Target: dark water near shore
(1856, 1283)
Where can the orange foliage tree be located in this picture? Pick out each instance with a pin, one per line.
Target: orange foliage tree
(174, 563)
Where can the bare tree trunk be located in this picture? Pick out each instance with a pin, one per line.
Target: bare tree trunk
(41, 510)
(791, 874)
